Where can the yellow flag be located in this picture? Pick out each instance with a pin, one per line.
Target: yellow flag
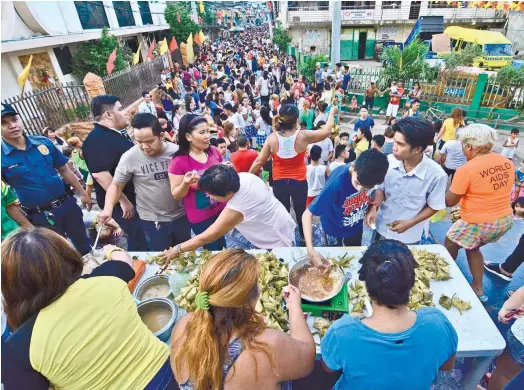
(202, 6)
(190, 52)
(201, 36)
(163, 47)
(22, 77)
(136, 57)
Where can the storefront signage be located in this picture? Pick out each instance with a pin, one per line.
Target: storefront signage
(357, 14)
(455, 92)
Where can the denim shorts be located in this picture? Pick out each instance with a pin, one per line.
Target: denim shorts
(516, 348)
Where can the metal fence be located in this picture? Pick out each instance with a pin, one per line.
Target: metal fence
(53, 107)
(495, 95)
(128, 84)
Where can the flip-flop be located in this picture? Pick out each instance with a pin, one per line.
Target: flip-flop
(482, 298)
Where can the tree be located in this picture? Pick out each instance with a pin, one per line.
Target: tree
(464, 57)
(308, 68)
(91, 56)
(406, 64)
(186, 26)
(511, 81)
(281, 37)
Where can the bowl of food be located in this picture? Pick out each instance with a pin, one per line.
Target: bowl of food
(156, 286)
(159, 315)
(316, 285)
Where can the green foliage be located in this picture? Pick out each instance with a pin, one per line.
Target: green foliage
(281, 37)
(91, 56)
(511, 80)
(209, 15)
(409, 63)
(186, 26)
(308, 67)
(465, 57)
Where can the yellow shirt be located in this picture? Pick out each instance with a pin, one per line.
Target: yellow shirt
(362, 145)
(93, 338)
(449, 129)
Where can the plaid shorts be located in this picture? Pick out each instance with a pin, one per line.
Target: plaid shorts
(472, 235)
(261, 139)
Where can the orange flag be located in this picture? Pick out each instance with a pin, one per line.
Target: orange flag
(111, 62)
(173, 45)
(150, 54)
(196, 40)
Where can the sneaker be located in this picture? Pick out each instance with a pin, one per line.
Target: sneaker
(494, 268)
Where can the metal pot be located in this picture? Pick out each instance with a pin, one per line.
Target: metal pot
(305, 262)
(154, 280)
(160, 303)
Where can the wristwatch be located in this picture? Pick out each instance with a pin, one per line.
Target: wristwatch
(178, 248)
(115, 249)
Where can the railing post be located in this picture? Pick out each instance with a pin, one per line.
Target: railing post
(477, 95)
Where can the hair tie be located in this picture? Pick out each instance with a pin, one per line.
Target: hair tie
(202, 301)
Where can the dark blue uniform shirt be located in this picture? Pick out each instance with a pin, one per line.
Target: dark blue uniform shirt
(32, 172)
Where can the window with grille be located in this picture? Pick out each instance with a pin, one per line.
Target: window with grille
(65, 60)
(145, 12)
(360, 4)
(391, 4)
(92, 14)
(124, 13)
(442, 4)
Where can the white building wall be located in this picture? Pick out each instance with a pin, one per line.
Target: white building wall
(9, 79)
(515, 32)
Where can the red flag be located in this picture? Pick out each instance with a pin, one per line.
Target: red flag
(111, 62)
(173, 45)
(150, 54)
(196, 39)
(178, 17)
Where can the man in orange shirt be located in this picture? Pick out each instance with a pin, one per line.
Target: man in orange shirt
(483, 187)
(243, 158)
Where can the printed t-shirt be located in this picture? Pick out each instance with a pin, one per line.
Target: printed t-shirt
(266, 224)
(403, 359)
(340, 206)
(243, 159)
(197, 204)
(485, 183)
(154, 201)
(395, 99)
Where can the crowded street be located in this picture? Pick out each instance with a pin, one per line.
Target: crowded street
(214, 206)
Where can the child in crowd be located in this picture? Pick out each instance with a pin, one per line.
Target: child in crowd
(354, 104)
(77, 157)
(511, 144)
(518, 188)
(316, 174)
(378, 142)
(387, 148)
(68, 151)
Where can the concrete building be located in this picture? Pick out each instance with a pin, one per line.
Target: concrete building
(50, 30)
(364, 23)
(515, 33)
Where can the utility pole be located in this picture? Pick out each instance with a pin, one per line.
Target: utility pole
(194, 13)
(336, 26)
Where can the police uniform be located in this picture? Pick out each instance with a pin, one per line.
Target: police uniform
(32, 173)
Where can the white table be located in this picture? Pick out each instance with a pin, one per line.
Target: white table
(478, 337)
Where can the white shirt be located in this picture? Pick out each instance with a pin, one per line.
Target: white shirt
(510, 152)
(266, 224)
(327, 147)
(147, 107)
(325, 75)
(316, 179)
(264, 128)
(220, 74)
(228, 98)
(407, 194)
(335, 164)
(320, 117)
(455, 157)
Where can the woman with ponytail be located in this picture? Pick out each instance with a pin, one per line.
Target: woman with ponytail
(287, 146)
(417, 343)
(226, 345)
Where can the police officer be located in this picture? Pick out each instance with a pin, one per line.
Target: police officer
(31, 166)
(102, 150)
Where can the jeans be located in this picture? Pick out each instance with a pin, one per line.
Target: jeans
(516, 258)
(136, 239)
(163, 235)
(369, 103)
(286, 190)
(68, 222)
(201, 227)
(355, 240)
